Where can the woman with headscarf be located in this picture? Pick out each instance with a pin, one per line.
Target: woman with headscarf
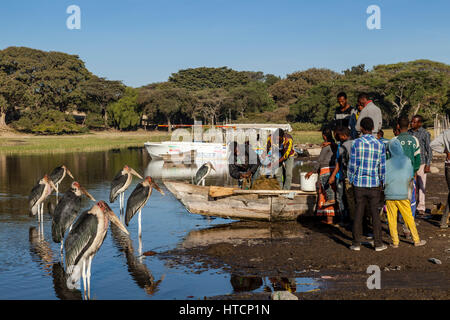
(398, 186)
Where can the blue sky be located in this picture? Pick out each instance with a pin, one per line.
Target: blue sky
(140, 42)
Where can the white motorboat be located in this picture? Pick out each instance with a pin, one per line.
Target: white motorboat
(205, 150)
(208, 150)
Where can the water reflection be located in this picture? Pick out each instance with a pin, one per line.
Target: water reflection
(138, 270)
(40, 250)
(160, 169)
(242, 231)
(60, 278)
(270, 284)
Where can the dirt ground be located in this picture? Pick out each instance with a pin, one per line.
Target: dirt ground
(307, 248)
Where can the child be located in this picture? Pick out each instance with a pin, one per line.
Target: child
(399, 174)
(324, 167)
(344, 190)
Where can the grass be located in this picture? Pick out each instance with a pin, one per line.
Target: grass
(30, 144)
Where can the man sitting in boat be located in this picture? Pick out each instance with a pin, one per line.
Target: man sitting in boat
(243, 164)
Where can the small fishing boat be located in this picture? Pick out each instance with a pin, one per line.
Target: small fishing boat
(237, 204)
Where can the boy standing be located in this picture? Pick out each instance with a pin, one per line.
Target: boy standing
(344, 190)
(399, 175)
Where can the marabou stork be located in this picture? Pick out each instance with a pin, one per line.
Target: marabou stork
(203, 172)
(121, 182)
(38, 194)
(66, 211)
(138, 199)
(84, 240)
(58, 174)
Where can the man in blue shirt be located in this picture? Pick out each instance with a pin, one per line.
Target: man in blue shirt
(366, 172)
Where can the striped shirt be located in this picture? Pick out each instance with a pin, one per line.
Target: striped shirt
(367, 166)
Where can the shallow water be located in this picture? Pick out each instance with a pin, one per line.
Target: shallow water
(31, 269)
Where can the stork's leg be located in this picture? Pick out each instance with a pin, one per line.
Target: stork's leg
(83, 274)
(203, 182)
(89, 277)
(140, 235)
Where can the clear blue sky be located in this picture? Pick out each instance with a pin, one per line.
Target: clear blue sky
(144, 41)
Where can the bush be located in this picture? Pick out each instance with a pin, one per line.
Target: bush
(94, 121)
(48, 122)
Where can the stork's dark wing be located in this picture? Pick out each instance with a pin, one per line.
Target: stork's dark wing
(57, 174)
(35, 194)
(64, 215)
(200, 174)
(117, 183)
(137, 200)
(80, 238)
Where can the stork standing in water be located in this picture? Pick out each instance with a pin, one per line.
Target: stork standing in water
(203, 172)
(137, 201)
(83, 242)
(66, 211)
(58, 174)
(36, 199)
(121, 183)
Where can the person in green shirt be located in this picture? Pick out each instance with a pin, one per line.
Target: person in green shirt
(410, 144)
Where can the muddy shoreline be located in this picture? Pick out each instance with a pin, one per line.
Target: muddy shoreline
(307, 248)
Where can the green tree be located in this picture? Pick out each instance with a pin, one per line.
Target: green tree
(212, 78)
(167, 102)
(124, 114)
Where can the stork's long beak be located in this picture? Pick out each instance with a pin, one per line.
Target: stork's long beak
(112, 216)
(87, 194)
(154, 185)
(70, 174)
(135, 173)
(212, 167)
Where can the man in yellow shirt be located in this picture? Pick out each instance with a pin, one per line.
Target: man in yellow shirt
(285, 158)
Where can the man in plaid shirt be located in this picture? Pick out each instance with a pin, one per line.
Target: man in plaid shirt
(366, 172)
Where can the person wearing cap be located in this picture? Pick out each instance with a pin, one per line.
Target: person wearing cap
(285, 159)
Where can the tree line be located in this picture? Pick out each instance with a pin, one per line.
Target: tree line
(46, 92)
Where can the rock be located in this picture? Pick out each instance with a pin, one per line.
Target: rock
(283, 295)
(435, 261)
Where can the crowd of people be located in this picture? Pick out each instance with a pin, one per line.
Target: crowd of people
(362, 175)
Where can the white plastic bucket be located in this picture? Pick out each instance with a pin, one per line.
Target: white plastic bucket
(308, 184)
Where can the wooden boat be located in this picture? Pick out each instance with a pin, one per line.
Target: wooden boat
(264, 205)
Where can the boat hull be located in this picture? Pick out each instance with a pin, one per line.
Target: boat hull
(205, 151)
(242, 207)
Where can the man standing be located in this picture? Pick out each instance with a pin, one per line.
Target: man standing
(370, 110)
(426, 154)
(366, 172)
(442, 145)
(343, 113)
(285, 158)
(411, 148)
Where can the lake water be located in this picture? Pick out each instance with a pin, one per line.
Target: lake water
(30, 268)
